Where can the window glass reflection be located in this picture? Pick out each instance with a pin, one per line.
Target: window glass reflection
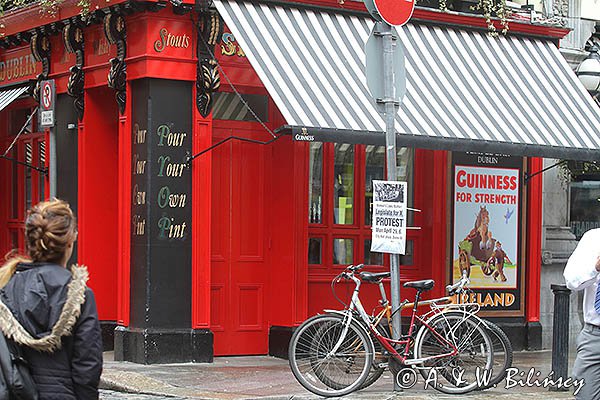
(315, 252)
(343, 251)
(374, 170)
(585, 206)
(315, 183)
(343, 185)
(372, 258)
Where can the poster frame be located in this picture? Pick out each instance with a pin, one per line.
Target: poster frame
(523, 266)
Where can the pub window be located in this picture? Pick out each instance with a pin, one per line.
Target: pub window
(27, 185)
(14, 209)
(18, 118)
(315, 187)
(340, 204)
(229, 106)
(407, 257)
(14, 239)
(315, 251)
(374, 170)
(42, 164)
(28, 160)
(585, 205)
(343, 251)
(372, 258)
(343, 184)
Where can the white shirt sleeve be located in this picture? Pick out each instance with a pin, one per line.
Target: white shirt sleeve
(580, 271)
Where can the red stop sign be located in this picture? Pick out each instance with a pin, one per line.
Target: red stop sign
(395, 12)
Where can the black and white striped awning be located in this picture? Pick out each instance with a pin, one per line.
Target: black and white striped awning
(466, 90)
(7, 96)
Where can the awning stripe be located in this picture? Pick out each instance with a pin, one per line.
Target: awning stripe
(454, 50)
(461, 85)
(9, 95)
(538, 102)
(575, 94)
(568, 123)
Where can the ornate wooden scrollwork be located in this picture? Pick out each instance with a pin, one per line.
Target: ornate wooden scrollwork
(208, 81)
(114, 29)
(73, 39)
(40, 49)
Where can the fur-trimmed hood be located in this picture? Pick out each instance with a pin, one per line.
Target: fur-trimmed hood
(41, 304)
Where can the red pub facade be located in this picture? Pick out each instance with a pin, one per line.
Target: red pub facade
(226, 253)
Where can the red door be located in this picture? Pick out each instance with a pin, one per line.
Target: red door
(239, 246)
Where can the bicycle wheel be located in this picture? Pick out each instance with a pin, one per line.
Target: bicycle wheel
(503, 354)
(462, 372)
(329, 357)
(379, 356)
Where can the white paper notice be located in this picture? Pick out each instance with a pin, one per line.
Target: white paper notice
(389, 217)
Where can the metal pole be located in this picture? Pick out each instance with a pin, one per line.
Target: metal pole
(390, 155)
(52, 163)
(560, 334)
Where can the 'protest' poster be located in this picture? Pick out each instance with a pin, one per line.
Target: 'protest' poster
(389, 217)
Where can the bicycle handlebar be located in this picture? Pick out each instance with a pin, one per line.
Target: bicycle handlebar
(459, 286)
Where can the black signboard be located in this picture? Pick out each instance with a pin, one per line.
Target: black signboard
(487, 215)
(161, 207)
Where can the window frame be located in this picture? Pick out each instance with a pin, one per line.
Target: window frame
(16, 223)
(358, 231)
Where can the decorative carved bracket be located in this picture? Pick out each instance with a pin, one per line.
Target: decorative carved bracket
(73, 39)
(40, 49)
(208, 81)
(115, 31)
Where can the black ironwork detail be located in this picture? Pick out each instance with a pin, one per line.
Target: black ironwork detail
(73, 39)
(40, 49)
(115, 31)
(208, 81)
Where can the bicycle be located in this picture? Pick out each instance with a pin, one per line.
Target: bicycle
(332, 354)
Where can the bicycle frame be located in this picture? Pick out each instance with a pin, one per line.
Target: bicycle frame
(405, 341)
(389, 343)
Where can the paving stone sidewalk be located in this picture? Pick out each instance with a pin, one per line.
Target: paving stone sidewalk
(262, 377)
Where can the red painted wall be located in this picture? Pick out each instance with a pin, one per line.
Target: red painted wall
(98, 201)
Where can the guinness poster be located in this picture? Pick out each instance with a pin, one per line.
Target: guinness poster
(486, 226)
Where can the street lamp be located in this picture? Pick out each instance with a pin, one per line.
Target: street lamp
(589, 71)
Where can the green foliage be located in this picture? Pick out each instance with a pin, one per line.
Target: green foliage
(568, 170)
(488, 8)
(10, 4)
(494, 8)
(47, 7)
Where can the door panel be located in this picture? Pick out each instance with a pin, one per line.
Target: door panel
(239, 246)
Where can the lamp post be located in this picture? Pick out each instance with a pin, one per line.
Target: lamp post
(589, 72)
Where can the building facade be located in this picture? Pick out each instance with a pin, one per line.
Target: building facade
(222, 171)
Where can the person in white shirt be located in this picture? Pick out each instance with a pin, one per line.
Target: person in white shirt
(582, 273)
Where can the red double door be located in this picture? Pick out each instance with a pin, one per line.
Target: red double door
(240, 262)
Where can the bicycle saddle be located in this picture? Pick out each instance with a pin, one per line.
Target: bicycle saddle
(373, 277)
(426, 284)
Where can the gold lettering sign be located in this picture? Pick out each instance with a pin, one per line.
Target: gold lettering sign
(167, 39)
(229, 46)
(17, 67)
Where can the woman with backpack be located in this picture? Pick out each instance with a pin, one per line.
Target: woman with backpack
(49, 311)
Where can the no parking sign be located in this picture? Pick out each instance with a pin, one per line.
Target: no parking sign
(47, 101)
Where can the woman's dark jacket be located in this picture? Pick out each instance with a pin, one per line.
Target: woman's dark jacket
(70, 368)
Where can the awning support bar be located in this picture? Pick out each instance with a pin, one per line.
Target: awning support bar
(242, 139)
(529, 176)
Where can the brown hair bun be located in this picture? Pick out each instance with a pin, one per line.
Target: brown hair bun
(49, 229)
